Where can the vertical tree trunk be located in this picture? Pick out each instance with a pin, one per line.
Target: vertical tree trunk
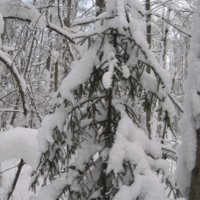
(48, 61)
(1, 184)
(29, 56)
(67, 23)
(195, 180)
(191, 116)
(148, 28)
(67, 19)
(12, 119)
(165, 34)
(164, 52)
(56, 77)
(101, 5)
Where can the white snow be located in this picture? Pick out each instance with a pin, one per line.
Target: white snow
(126, 71)
(107, 77)
(22, 10)
(20, 143)
(146, 186)
(150, 83)
(1, 24)
(1, 28)
(45, 133)
(183, 176)
(6, 49)
(55, 55)
(189, 122)
(122, 22)
(22, 82)
(79, 74)
(50, 192)
(132, 144)
(86, 150)
(83, 19)
(22, 187)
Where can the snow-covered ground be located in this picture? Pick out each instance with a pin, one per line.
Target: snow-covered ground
(21, 191)
(22, 143)
(16, 144)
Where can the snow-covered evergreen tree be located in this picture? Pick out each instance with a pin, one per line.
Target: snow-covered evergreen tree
(94, 137)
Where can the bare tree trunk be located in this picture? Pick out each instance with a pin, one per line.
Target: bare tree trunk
(195, 180)
(1, 184)
(12, 119)
(56, 77)
(101, 5)
(67, 23)
(48, 61)
(67, 19)
(165, 34)
(148, 27)
(164, 46)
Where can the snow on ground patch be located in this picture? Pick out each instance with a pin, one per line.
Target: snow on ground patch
(50, 192)
(15, 144)
(20, 143)
(22, 187)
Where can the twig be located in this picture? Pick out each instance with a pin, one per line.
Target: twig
(20, 165)
(8, 94)
(8, 169)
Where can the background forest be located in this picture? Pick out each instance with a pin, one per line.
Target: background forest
(101, 81)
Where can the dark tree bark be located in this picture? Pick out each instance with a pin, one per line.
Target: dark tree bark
(56, 77)
(195, 180)
(101, 5)
(148, 28)
(67, 19)
(21, 164)
(148, 20)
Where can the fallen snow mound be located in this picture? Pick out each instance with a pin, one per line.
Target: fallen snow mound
(20, 143)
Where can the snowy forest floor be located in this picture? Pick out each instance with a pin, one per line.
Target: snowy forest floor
(21, 191)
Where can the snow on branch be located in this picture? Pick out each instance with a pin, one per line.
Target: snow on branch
(18, 78)
(132, 144)
(189, 124)
(113, 157)
(22, 10)
(60, 31)
(79, 74)
(26, 12)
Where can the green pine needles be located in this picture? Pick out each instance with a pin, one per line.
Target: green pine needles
(93, 146)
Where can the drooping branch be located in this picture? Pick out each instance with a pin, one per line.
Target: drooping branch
(50, 25)
(18, 78)
(8, 94)
(60, 31)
